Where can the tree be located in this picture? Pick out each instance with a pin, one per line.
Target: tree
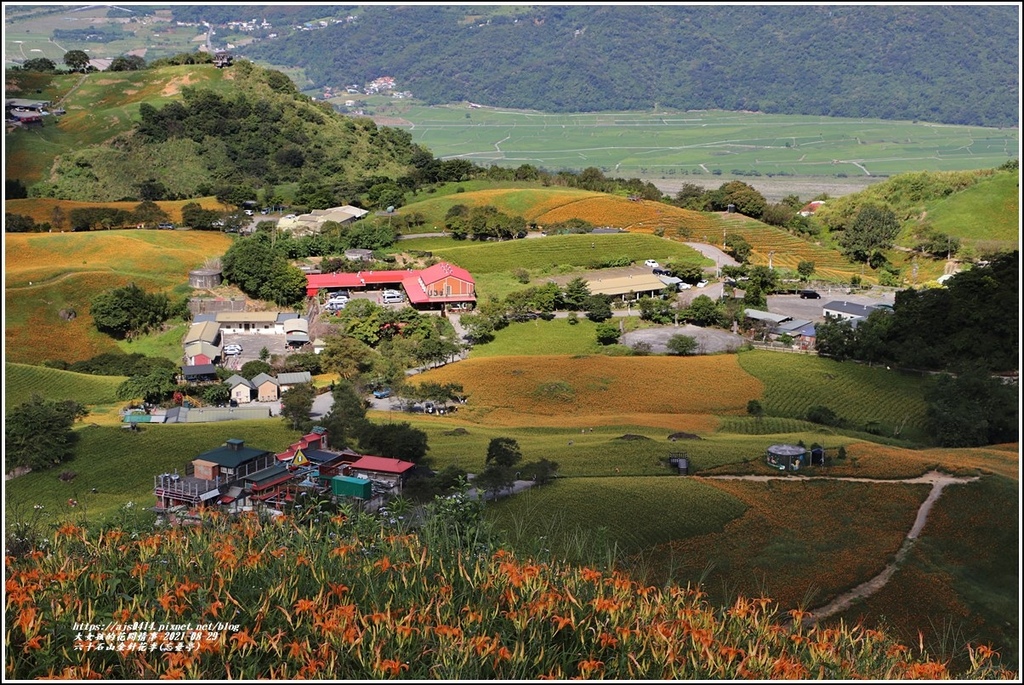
(704, 311)
(656, 310)
(253, 368)
(347, 415)
(495, 478)
(574, 295)
(540, 472)
(805, 269)
(598, 308)
(738, 248)
(42, 64)
(608, 333)
(296, 403)
(681, 345)
(755, 409)
(152, 387)
(127, 63)
(346, 356)
(76, 60)
(395, 440)
(972, 409)
(874, 228)
(38, 434)
(503, 452)
(129, 310)
(217, 394)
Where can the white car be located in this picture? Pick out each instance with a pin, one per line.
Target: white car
(685, 286)
(652, 263)
(702, 284)
(232, 349)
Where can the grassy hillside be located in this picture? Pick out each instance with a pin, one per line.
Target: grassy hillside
(986, 215)
(41, 209)
(47, 273)
(99, 106)
(887, 401)
(121, 464)
(21, 381)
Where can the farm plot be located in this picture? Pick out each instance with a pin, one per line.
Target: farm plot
(964, 569)
(702, 142)
(547, 385)
(800, 543)
(557, 251)
(582, 517)
(788, 249)
(874, 399)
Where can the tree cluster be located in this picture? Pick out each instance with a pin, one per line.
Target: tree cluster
(130, 311)
(38, 434)
(973, 320)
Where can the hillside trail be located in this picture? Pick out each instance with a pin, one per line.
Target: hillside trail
(937, 480)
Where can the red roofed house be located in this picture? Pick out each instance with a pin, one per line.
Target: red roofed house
(435, 287)
(811, 207)
(384, 469)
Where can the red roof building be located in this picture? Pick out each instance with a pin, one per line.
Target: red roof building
(439, 284)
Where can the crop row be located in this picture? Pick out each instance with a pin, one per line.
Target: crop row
(598, 384)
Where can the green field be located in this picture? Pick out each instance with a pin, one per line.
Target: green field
(21, 381)
(681, 144)
(576, 518)
(888, 400)
(549, 253)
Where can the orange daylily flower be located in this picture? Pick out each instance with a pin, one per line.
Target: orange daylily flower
(243, 638)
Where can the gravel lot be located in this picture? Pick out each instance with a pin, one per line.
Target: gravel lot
(709, 340)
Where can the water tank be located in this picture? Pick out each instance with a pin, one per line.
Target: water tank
(204, 278)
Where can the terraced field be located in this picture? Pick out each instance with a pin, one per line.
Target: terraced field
(789, 250)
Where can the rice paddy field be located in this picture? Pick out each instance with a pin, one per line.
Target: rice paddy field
(701, 143)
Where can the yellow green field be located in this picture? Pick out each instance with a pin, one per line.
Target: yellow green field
(41, 208)
(514, 388)
(47, 273)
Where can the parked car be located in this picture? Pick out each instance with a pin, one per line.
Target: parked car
(392, 297)
(382, 393)
(702, 284)
(165, 225)
(335, 306)
(652, 263)
(810, 295)
(661, 272)
(685, 286)
(232, 349)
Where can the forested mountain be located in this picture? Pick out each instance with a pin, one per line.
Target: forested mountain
(951, 64)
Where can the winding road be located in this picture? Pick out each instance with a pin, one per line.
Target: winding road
(938, 482)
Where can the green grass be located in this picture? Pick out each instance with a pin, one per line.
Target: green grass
(166, 343)
(857, 393)
(631, 514)
(21, 381)
(546, 255)
(987, 213)
(550, 337)
(121, 464)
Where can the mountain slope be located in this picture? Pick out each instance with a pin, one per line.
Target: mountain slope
(950, 64)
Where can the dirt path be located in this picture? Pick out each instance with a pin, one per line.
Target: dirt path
(938, 482)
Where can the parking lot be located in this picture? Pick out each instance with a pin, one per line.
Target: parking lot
(811, 310)
(251, 344)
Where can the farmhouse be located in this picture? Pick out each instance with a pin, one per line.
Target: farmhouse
(849, 311)
(312, 222)
(241, 389)
(627, 287)
(203, 331)
(266, 387)
(199, 352)
(241, 477)
(434, 288)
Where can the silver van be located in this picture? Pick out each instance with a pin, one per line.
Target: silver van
(392, 297)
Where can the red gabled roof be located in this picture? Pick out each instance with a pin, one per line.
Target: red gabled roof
(382, 464)
(442, 270)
